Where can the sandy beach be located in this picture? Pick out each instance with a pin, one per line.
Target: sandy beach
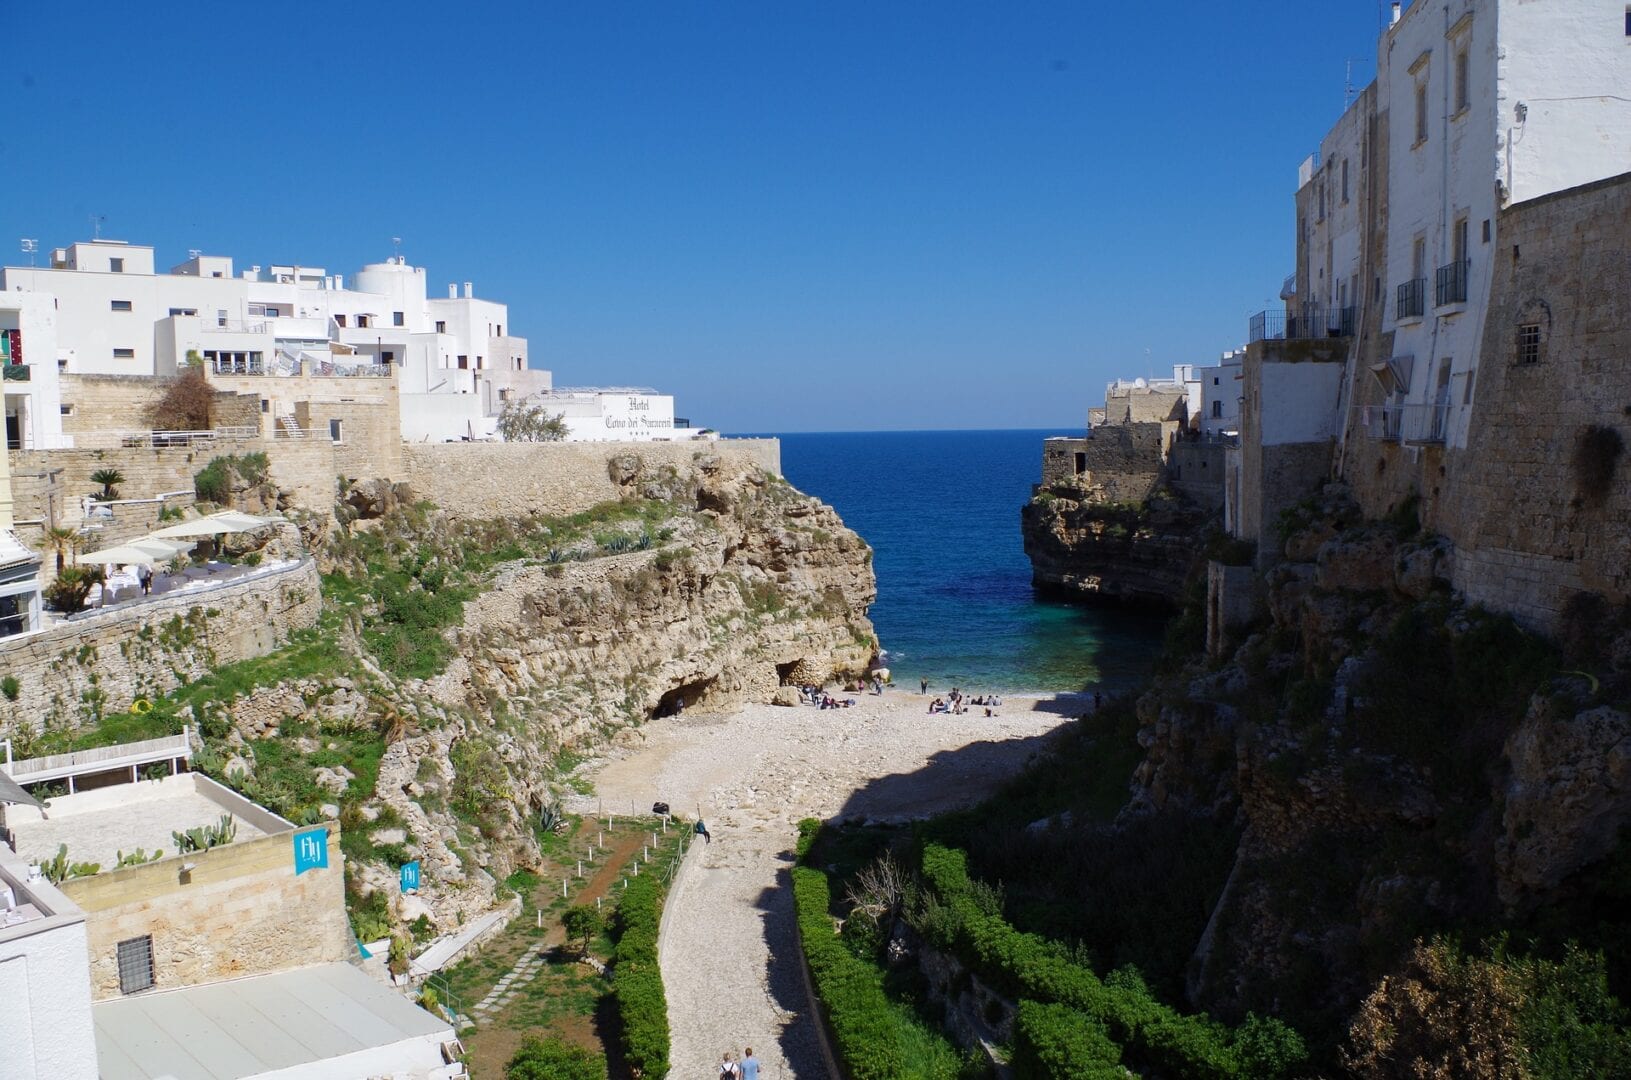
(728, 963)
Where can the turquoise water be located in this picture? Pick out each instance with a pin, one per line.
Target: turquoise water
(941, 511)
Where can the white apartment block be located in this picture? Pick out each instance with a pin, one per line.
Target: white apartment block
(456, 360)
(28, 360)
(1477, 105)
(1214, 393)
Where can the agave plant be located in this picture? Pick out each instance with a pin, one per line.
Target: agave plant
(550, 818)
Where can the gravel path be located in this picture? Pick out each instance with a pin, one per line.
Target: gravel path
(730, 970)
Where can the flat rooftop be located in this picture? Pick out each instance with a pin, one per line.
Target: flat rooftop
(330, 1021)
(96, 825)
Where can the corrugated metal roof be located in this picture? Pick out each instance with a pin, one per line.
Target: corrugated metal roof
(248, 1027)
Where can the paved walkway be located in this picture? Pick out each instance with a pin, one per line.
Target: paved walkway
(730, 970)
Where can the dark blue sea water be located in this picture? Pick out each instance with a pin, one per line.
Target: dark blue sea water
(941, 511)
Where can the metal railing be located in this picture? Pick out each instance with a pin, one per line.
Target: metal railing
(1413, 424)
(228, 366)
(1412, 300)
(109, 440)
(1451, 286)
(1305, 325)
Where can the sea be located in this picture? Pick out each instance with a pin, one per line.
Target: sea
(955, 604)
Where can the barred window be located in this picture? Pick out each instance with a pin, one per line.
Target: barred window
(1529, 343)
(136, 964)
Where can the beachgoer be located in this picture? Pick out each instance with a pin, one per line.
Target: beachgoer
(750, 1065)
(679, 706)
(702, 831)
(923, 686)
(728, 1069)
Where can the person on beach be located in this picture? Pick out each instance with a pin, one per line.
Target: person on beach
(750, 1065)
(923, 686)
(702, 831)
(728, 1069)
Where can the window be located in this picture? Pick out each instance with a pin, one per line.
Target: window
(388, 356)
(124, 354)
(396, 318)
(339, 320)
(1458, 241)
(183, 311)
(136, 964)
(117, 266)
(1344, 180)
(1529, 343)
(1322, 202)
(464, 362)
(500, 330)
(478, 362)
(334, 431)
(1214, 380)
(1462, 97)
(1421, 113)
(1217, 410)
(121, 305)
(220, 316)
(362, 322)
(266, 405)
(1628, 20)
(67, 410)
(441, 326)
(1418, 258)
(1466, 389)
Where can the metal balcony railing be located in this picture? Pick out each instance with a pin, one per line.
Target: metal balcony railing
(1304, 325)
(1413, 424)
(1412, 303)
(1451, 287)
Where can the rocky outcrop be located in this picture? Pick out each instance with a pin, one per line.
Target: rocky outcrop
(1083, 548)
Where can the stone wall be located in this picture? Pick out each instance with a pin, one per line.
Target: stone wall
(1195, 471)
(1233, 600)
(486, 480)
(240, 911)
(1136, 405)
(1117, 462)
(107, 403)
(97, 662)
(370, 443)
(1528, 534)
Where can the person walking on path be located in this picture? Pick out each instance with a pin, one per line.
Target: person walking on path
(750, 1065)
(144, 574)
(728, 1069)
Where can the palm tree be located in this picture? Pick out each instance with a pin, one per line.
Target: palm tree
(110, 479)
(63, 541)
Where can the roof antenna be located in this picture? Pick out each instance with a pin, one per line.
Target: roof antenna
(396, 241)
(96, 225)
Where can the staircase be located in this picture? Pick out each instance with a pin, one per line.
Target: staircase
(289, 428)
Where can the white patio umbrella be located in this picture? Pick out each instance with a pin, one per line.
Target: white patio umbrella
(242, 522)
(224, 521)
(120, 554)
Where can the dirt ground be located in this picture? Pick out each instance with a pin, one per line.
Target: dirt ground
(729, 963)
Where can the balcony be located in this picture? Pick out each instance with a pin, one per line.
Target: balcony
(1412, 302)
(17, 373)
(1451, 287)
(1410, 425)
(1307, 325)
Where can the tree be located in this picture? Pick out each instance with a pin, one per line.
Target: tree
(68, 592)
(110, 479)
(187, 405)
(521, 422)
(554, 1059)
(582, 923)
(62, 541)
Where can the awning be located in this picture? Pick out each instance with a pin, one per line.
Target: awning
(12, 792)
(1394, 373)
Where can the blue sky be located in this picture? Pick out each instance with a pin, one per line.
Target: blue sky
(793, 216)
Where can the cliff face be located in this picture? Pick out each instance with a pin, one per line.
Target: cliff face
(1399, 762)
(472, 660)
(1083, 548)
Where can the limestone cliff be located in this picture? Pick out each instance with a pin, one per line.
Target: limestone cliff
(1082, 547)
(1397, 763)
(464, 661)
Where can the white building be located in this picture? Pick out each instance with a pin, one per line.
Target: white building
(636, 414)
(45, 995)
(28, 360)
(1485, 104)
(115, 314)
(1214, 394)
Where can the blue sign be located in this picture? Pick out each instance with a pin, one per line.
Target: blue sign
(410, 876)
(310, 851)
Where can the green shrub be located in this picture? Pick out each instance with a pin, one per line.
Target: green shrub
(1052, 1041)
(554, 1059)
(10, 687)
(637, 982)
(1154, 1035)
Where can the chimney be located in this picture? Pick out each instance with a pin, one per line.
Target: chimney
(469, 290)
(452, 291)
(339, 281)
(1395, 20)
